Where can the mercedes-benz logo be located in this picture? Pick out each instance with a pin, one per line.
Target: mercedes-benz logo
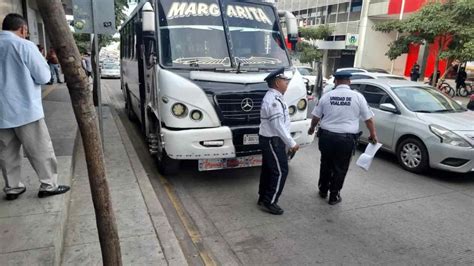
(246, 105)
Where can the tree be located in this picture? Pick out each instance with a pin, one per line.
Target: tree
(447, 24)
(309, 53)
(62, 40)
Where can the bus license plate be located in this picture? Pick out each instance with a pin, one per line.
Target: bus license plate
(250, 139)
(239, 162)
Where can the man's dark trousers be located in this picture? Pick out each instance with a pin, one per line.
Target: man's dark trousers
(336, 152)
(274, 169)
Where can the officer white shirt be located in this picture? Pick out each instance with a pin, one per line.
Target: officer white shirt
(341, 109)
(275, 118)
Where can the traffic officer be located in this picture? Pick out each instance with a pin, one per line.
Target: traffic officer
(275, 141)
(339, 112)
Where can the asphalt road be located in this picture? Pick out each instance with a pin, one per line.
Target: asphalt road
(387, 216)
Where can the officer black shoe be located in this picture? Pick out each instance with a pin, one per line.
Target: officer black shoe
(15, 196)
(272, 208)
(59, 190)
(323, 194)
(334, 198)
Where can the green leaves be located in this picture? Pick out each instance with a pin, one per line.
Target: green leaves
(307, 52)
(449, 22)
(316, 33)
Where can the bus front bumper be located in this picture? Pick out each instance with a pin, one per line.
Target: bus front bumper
(211, 143)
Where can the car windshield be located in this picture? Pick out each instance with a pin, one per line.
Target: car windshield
(426, 100)
(255, 35)
(110, 66)
(304, 71)
(192, 34)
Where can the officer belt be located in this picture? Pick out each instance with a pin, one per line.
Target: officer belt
(343, 135)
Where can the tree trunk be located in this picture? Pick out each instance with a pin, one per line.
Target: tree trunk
(436, 66)
(62, 40)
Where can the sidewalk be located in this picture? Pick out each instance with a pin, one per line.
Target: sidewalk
(133, 201)
(61, 230)
(32, 229)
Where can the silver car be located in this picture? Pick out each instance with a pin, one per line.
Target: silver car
(419, 124)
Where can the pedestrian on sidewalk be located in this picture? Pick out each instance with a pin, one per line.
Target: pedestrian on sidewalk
(461, 79)
(53, 63)
(415, 73)
(275, 140)
(87, 64)
(21, 112)
(339, 112)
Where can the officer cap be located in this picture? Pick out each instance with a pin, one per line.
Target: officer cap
(342, 75)
(279, 73)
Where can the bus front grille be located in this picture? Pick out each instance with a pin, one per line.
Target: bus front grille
(240, 109)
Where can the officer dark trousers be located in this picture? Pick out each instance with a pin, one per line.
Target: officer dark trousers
(274, 169)
(336, 152)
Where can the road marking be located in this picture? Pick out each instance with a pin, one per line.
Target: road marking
(193, 232)
(48, 90)
(190, 228)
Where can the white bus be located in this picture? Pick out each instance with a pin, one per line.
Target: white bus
(192, 75)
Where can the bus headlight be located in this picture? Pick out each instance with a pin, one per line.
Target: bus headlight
(179, 110)
(301, 104)
(292, 110)
(196, 115)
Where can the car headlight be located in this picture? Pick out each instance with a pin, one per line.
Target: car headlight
(196, 115)
(449, 137)
(292, 110)
(301, 104)
(179, 110)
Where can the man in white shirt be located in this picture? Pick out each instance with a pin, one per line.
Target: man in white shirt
(275, 140)
(339, 112)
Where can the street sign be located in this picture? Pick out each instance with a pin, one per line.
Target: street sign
(352, 41)
(86, 20)
(83, 21)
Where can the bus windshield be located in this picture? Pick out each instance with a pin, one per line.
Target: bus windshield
(192, 35)
(255, 35)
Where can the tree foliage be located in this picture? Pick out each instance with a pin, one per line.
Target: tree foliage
(447, 24)
(308, 53)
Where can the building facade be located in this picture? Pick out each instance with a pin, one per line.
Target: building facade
(29, 10)
(354, 41)
(343, 16)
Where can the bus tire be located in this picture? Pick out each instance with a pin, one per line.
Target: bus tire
(129, 109)
(167, 165)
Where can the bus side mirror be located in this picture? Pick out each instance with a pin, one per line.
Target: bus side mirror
(148, 21)
(291, 27)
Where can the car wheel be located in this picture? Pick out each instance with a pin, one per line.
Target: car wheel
(413, 155)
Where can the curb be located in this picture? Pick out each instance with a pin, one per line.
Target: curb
(64, 218)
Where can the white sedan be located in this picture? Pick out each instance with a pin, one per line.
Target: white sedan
(419, 124)
(362, 75)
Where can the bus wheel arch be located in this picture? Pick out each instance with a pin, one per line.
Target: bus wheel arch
(166, 164)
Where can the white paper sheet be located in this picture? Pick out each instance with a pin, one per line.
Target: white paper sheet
(366, 158)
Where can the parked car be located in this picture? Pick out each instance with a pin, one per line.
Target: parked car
(308, 73)
(362, 75)
(420, 125)
(110, 70)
